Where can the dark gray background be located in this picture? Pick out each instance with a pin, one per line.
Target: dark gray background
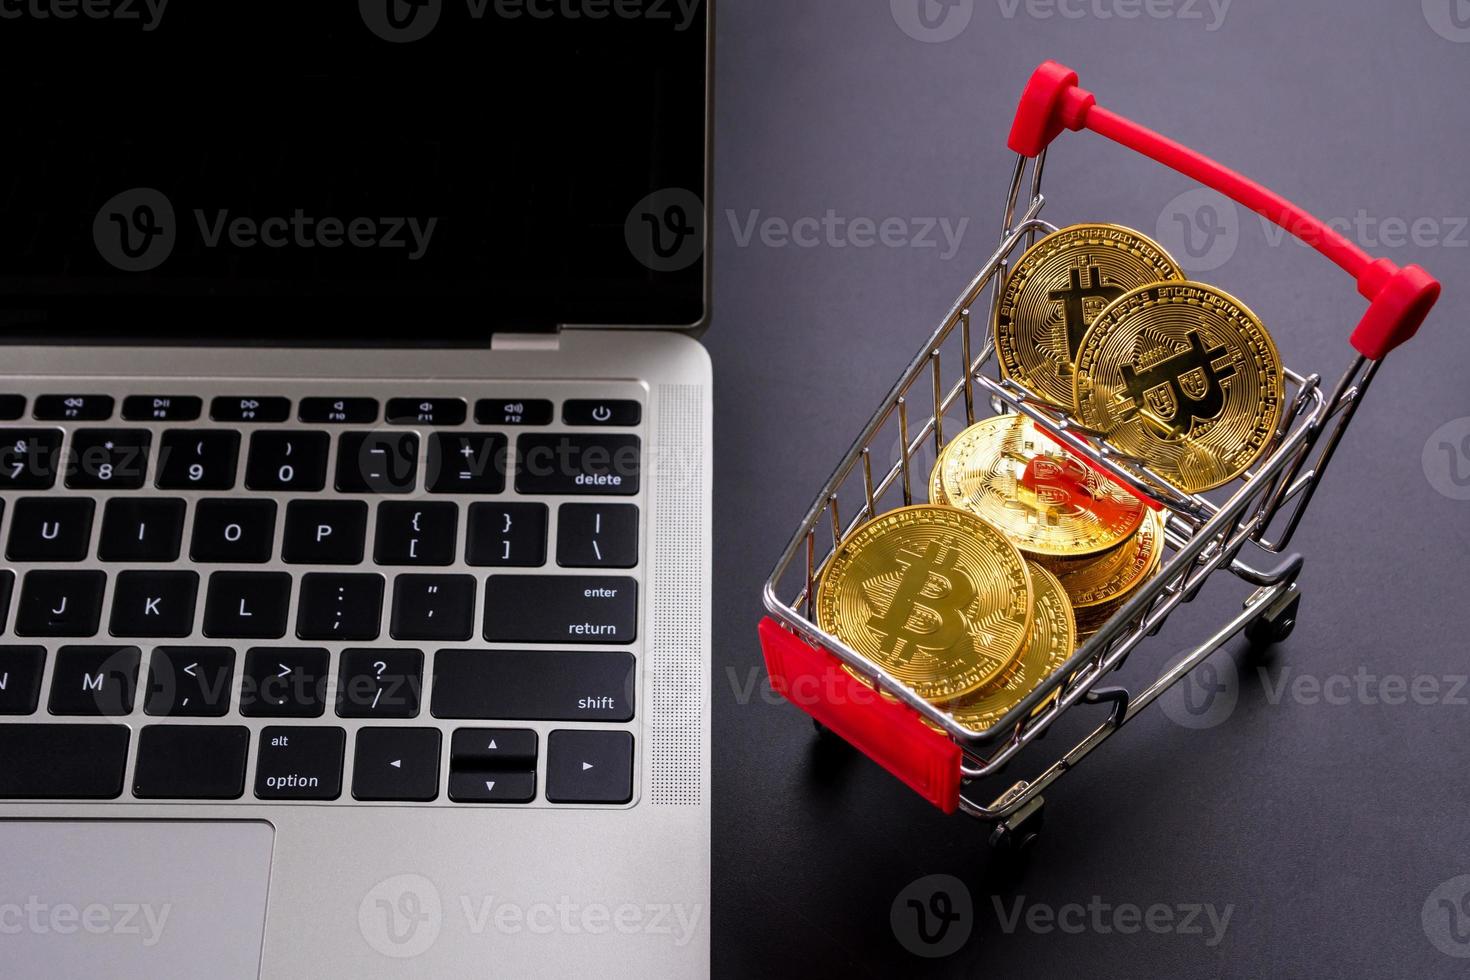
(1327, 827)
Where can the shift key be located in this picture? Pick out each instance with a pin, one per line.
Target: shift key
(561, 609)
(534, 685)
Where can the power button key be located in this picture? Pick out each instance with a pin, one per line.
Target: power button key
(591, 411)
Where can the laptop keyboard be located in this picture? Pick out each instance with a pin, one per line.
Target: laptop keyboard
(387, 596)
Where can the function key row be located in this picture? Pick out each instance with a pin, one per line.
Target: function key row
(324, 410)
(287, 461)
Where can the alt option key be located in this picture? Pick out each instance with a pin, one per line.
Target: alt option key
(299, 763)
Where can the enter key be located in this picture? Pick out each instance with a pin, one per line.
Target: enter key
(561, 609)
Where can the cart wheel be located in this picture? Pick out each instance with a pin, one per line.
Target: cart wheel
(1015, 837)
(1267, 630)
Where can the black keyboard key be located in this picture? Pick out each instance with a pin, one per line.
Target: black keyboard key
(426, 411)
(192, 682)
(63, 762)
(433, 607)
(141, 529)
(191, 762)
(533, 685)
(467, 462)
(357, 411)
(560, 609)
(597, 535)
(7, 585)
(50, 529)
(399, 764)
(284, 461)
(20, 679)
(234, 531)
(12, 406)
(513, 411)
(94, 681)
(54, 603)
(377, 462)
(154, 603)
(29, 458)
(510, 535)
(325, 532)
(108, 459)
(606, 411)
(492, 787)
(380, 683)
(340, 607)
(299, 763)
(247, 604)
(73, 408)
(250, 408)
(284, 682)
(198, 459)
(589, 767)
(560, 463)
(161, 408)
(416, 534)
(495, 749)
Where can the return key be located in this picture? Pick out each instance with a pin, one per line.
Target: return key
(561, 609)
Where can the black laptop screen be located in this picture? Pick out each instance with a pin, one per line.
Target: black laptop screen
(429, 168)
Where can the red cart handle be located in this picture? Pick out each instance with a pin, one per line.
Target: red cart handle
(1399, 298)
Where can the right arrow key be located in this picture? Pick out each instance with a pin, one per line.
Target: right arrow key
(589, 766)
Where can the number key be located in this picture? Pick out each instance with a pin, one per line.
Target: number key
(28, 458)
(283, 460)
(198, 459)
(108, 459)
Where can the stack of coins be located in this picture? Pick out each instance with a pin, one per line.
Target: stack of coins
(1025, 550)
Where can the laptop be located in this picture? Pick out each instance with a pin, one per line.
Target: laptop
(355, 490)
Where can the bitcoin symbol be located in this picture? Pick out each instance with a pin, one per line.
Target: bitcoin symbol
(1181, 388)
(1074, 306)
(919, 618)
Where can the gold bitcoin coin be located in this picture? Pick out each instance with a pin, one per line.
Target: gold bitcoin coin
(934, 595)
(1099, 589)
(1056, 289)
(1050, 642)
(1005, 470)
(1185, 377)
(1052, 639)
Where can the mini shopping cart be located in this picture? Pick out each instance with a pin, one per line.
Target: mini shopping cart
(936, 396)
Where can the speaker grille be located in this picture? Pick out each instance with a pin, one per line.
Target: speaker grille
(676, 661)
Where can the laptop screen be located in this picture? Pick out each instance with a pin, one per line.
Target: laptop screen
(398, 169)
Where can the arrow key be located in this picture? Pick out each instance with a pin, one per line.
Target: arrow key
(396, 764)
(492, 787)
(498, 749)
(589, 766)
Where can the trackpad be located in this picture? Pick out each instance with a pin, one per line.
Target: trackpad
(132, 899)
